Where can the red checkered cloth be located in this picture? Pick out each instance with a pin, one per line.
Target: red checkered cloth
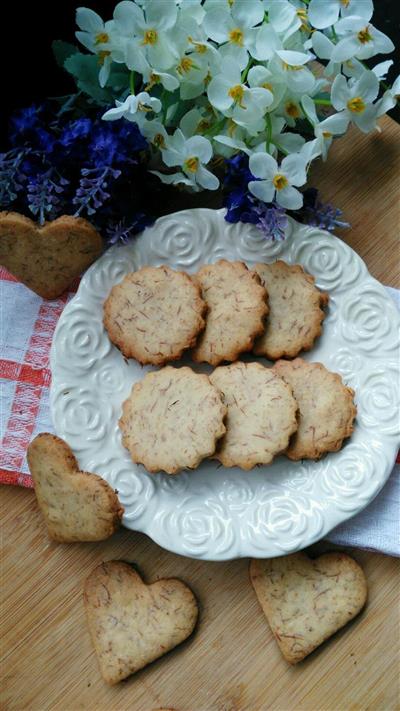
(26, 332)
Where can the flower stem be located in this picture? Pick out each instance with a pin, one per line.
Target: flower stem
(132, 82)
(323, 102)
(246, 71)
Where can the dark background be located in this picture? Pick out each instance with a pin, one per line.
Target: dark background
(29, 71)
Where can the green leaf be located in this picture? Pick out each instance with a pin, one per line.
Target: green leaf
(85, 70)
(63, 50)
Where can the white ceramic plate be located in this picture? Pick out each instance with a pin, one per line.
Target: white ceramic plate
(212, 512)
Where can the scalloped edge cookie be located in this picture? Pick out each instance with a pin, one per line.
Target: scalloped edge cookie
(326, 408)
(295, 310)
(261, 414)
(237, 308)
(172, 420)
(154, 314)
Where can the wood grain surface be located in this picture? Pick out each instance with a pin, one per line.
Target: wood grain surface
(232, 662)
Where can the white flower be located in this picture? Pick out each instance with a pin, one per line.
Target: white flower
(359, 39)
(134, 108)
(193, 73)
(192, 10)
(390, 97)
(354, 99)
(277, 182)
(192, 154)
(234, 99)
(289, 67)
(100, 38)
(262, 77)
(234, 25)
(152, 77)
(151, 28)
(324, 13)
(325, 130)
(282, 15)
(155, 133)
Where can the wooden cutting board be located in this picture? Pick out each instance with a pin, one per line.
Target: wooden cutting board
(232, 662)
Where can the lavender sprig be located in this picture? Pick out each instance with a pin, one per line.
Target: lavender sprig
(92, 191)
(44, 194)
(12, 177)
(121, 232)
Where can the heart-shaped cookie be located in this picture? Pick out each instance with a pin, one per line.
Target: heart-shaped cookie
(47, 259)
(76, 505)
(306, 601)
(132, 623)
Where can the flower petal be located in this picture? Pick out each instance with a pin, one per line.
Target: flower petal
(200, 147)
(294, 167)
(345, 49)
(217, 92)
(293, 58)
(323, 13)
(89, 20)
(336, 124)
(362, 8)
(248, 12)
(367, 87)
(322, 46)
(340, 92)
(161, 13)
(267, 42)
(262, 165)
(128, 18)
(262, 189)
(217, 23)
(290, 198)
(206, 179)
(281, 14)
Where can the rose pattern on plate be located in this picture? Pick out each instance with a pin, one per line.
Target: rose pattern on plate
(334, 264)
(210, 513)
(370, 322)
(377, 400)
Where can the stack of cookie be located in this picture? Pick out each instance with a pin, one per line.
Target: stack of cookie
(244, 413)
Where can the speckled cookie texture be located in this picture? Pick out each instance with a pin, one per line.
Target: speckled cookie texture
(132, 624)
(172, 420)
(76, 505)
(154, 314)
(261, 414)
(47, 258)
(306, 601)
(326, 408)
(237, 307)
(295, 310)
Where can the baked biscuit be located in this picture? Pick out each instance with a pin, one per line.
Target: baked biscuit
(237, 307)
(132, 624)
(47, 258)
(76, 506)
(172, 420)
(261, 414)
(306, 601)
(154, 314)
(295, 310)
(326, 408)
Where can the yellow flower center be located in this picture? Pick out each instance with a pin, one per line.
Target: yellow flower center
(356, 105)
(102, 38)
(268, 86)
(292, 109)
(150, 37)
(236, 36)
(236, 93)
(144, 107)
(199, 46)
(191, 164)
(345, 3)
(364, 35)
(302, 15)
(230, 2)
(153, 79)
(185, 65)
(280, 181)
(326, 134)
(292, 67)
(203, 125)
(159, 140)
(102, 55)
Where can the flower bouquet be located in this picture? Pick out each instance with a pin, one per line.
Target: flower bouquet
(199, 95)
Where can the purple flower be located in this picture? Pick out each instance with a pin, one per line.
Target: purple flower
(75, 131)
(44, 194)
(92, 192)
(122, 231)
(318, 214)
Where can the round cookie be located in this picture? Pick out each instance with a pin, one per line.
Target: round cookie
(237, 306)
(172, 420)
(295, 310)
(326, 408)
(154, 314)
(261, 414)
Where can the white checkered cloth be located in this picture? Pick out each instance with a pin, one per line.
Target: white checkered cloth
(27, 325)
